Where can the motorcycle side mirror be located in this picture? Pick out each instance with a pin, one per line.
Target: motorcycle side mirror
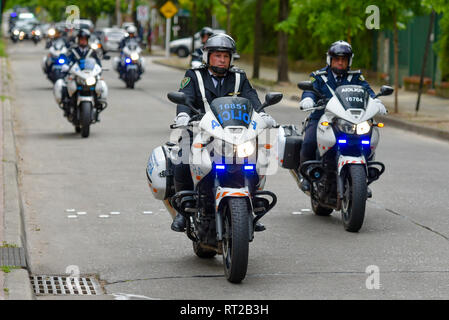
(180, 98)
(306, 85)
(270, 99)
(177, 97)
(385, 91)
(236, 56)
(273, 98)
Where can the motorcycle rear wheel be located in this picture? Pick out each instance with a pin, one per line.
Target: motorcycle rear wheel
(354, 200)
(236, 239)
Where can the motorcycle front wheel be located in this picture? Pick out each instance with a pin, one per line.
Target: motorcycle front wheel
(85, 118)
(236, 239)
(354, 198)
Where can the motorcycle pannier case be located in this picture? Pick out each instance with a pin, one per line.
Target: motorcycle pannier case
(160, 173)
(289, 146)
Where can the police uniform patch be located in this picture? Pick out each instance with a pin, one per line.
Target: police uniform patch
(312, 79)
(185, 82)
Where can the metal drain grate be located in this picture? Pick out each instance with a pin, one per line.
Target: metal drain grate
(54, 285)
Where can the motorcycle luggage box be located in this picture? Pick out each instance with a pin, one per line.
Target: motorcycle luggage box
(160, 173)
(289, 146)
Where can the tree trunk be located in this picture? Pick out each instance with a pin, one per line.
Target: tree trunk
(282, 44)
(424, 62)
(396, 62)
(257, 38)
(194, 25)
(228, 18)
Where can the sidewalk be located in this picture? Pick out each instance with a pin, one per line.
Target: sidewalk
(14, 278)
(432, 119)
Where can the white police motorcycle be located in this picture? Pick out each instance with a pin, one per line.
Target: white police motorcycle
(54, 61)
(228, 162)
(130, 63)
(347, 137)
(86, 94)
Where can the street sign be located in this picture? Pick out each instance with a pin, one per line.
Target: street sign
(143, 13)
(168, 9)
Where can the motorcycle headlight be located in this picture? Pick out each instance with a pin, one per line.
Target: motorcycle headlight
(363, 128)
(246, 149)
(37, 33)
(51, 32)
(346, 126)
(16, 32)
(94, 46)
(134, 56)
(91, 81)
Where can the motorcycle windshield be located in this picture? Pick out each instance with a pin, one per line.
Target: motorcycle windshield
(352, 96)
(87, 64)
(132, 45)
(59, 45)
(232, 111)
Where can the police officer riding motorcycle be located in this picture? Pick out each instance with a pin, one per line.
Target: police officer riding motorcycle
(130, 64)
(213, 178)
(336, 162)
(85, 81)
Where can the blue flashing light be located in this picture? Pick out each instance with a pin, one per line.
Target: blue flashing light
(342, 141)
(13, 14)
(127, 60)
(249, 167)
(365, 141)
(220, 167)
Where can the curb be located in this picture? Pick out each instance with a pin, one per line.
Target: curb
(168, 65)
(17, 281)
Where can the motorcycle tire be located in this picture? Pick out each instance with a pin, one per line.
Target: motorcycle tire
(77, 129)
(85, 118)
(236, 239)
(131, 79)
(354, 200)
(202, 252)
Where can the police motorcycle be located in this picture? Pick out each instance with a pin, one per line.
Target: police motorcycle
(17, 34)
(57, 57)
(130, 63)
(36, 35)
(228, 163)
(86, 94)
(347, 138)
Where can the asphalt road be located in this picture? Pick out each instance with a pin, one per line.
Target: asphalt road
(124, 237)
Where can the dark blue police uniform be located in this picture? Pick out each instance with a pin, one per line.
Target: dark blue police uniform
(321, 80)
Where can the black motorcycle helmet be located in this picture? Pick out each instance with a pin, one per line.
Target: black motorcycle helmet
(340, 49)
(83, 33)
(219, 42)
(206, 31)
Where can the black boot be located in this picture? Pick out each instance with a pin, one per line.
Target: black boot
(259, 227)
(179, 223)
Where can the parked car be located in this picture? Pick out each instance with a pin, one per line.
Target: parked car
(111, 37)
(183, 46)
